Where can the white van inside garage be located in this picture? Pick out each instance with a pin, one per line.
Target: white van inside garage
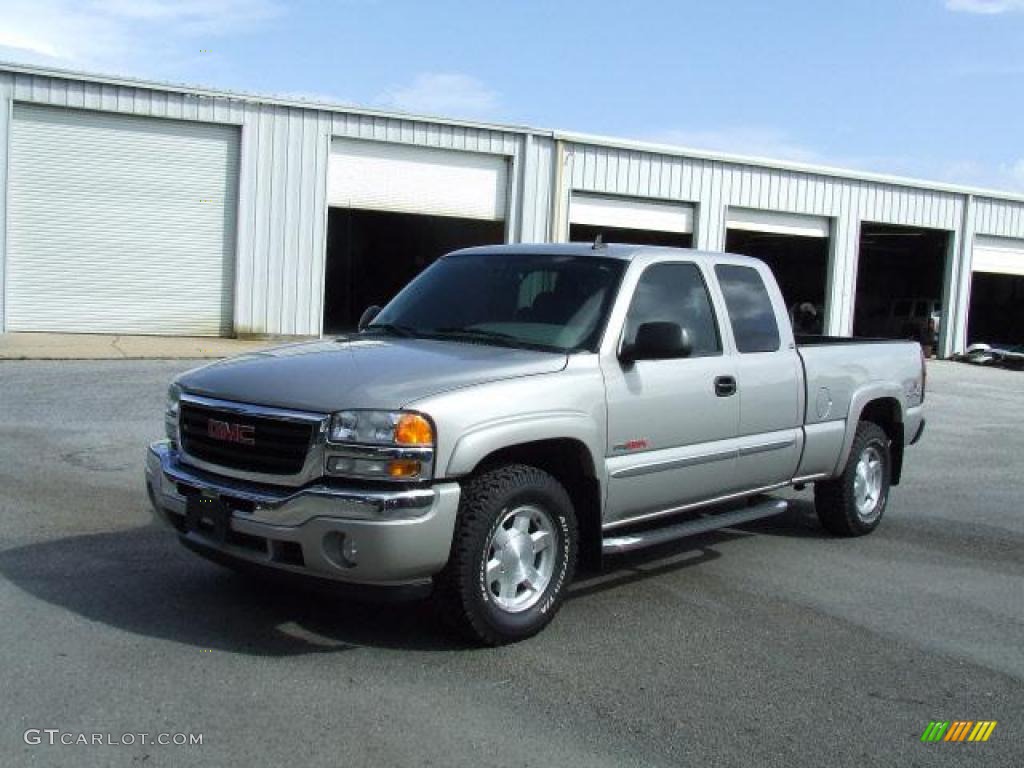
(107, 212)
(996, 314)
(394, 209)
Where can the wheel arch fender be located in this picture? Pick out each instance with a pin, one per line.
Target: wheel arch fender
(884, 405)
(567, 445)
(489, 437)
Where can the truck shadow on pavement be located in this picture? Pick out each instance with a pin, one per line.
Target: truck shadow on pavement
(142, 581)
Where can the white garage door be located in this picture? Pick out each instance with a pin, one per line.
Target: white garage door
(120, 224)
(625, 213)
(777, 222)
(396, 177)
(1002, 255)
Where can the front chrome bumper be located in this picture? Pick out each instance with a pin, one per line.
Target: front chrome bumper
(376, 537)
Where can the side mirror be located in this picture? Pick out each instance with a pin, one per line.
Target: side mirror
(657, 341)
(368, 316)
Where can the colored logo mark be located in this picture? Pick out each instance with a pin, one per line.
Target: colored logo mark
(958, 730)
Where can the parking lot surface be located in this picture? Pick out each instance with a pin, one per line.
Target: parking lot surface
(772, 644)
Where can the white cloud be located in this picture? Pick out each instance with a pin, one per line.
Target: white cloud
(448, 94)
(773, 144)
(1007, 176)
(989, 7)
(20, 41)
(777, 145)
(106, 33)
(190, 16)
(755, 142)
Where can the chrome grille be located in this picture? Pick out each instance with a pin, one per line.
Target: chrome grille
(269, 444)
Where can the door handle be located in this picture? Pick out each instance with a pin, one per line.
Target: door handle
(725, 386)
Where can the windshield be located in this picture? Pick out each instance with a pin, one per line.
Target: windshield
(545, 301)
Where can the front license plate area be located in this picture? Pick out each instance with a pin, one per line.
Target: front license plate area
(207, 515)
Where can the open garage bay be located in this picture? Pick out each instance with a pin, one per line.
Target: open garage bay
(900, 282)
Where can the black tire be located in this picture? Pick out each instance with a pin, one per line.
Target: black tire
(466, 600)
(836, 501)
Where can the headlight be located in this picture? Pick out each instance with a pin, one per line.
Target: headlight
(381, 428)
(171, 412)
(384, 445)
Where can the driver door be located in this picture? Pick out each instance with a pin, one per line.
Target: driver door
(672, 424)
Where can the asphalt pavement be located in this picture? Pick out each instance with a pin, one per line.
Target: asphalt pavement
(768, 645)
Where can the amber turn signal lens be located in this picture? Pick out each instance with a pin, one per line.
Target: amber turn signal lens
(413, 429)
(403, 468)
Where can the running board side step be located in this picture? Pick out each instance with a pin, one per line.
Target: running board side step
(616, 545)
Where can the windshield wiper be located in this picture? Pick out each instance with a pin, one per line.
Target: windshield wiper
(505, 339)
(484, 334)
(393, 328)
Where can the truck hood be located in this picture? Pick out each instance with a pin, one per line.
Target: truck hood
(335, 374)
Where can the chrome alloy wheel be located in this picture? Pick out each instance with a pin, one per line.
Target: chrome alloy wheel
(520, 558)
(867, 483)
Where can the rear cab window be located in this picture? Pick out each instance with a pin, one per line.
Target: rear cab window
(750, 309)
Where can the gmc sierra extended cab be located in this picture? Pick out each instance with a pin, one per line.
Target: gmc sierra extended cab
(515, 408)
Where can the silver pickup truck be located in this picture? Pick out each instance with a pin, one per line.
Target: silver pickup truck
(517, 408)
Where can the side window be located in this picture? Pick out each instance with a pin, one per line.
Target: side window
(676, 293)
(750, 309)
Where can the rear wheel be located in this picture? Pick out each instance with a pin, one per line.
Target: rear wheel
(513, 555)
(853, 503)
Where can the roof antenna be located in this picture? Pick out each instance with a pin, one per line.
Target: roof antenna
(598, 242)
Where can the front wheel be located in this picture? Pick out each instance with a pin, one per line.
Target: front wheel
(853, 503)
(513, 555)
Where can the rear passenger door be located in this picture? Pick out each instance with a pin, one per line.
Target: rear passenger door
(671, 436)
(769, 378)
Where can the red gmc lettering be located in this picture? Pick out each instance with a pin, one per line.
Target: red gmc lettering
(243, 434)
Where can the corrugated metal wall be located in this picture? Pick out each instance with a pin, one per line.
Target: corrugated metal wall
(282, 185)
(282, 191)
(1002, 218)
(713, 186)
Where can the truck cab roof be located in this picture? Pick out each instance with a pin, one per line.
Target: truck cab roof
(623, 251)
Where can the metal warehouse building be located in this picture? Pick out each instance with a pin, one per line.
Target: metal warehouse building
(136, 207)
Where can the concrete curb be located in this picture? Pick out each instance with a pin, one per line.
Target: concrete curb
(57, 346)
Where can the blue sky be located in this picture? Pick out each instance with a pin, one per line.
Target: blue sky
(927, 88)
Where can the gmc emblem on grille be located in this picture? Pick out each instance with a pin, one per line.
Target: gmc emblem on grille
(231, 433)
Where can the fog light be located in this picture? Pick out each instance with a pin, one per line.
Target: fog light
(340, 465)
(398, 469)
(340, 549)
(370, 467)
(403, 468)
(349, 551)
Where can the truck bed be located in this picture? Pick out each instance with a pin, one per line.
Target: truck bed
(839, 372)
(817, 340)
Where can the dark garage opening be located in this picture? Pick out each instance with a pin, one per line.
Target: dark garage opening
(371, 255)
(587, 233)
(996, 314)
(800, 265)
(899, 282)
